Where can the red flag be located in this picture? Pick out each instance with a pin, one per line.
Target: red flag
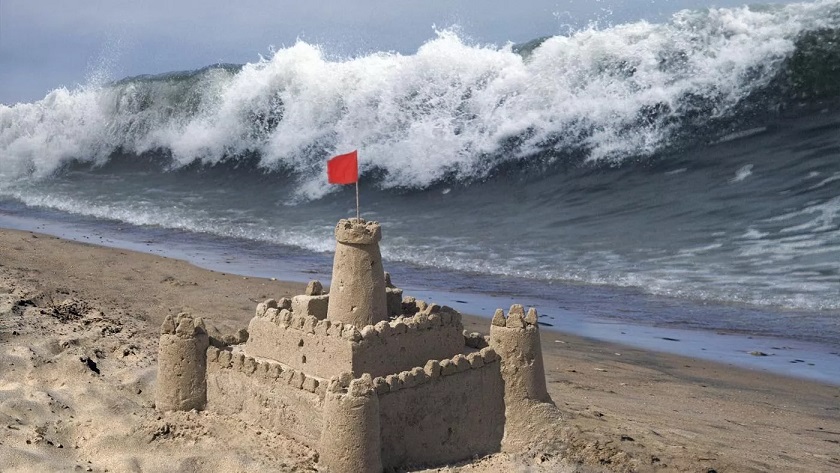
(343, 169)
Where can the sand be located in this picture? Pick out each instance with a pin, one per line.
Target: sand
(78, 345)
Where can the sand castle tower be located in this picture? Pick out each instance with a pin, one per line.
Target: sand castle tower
(350, 438)
(182, 364)
(357, 291)
(516, 338)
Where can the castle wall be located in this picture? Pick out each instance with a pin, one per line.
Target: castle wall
(267, 394)
(408, 342)
(326, 349)
(298, 346)
(445, 412)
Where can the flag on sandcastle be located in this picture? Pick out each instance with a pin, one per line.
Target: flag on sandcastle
(344, 168)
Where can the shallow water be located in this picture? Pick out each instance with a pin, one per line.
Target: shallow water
(600, 313)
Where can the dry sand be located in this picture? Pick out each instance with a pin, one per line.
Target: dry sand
(78, 341)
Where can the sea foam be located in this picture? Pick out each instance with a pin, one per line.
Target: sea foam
(453, 110)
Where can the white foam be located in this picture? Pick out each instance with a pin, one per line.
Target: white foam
(741, 134)
(451, 109)
(834, 177)
(181, 217)
(742, 173)
(753, 234)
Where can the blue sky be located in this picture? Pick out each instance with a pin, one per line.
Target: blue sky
(48, 44)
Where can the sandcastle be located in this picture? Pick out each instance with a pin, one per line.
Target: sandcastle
(369, 379)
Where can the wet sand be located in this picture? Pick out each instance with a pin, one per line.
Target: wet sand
(78, 340)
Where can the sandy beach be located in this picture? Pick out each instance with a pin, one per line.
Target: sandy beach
(78, 345)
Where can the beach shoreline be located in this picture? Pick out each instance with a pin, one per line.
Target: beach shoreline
(626, 409)
(746, 349)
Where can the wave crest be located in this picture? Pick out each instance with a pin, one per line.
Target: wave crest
(452, 110)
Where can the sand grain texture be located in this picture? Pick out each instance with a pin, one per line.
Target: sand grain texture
(79, 328)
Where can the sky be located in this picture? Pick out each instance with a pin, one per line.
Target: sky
(45, 44)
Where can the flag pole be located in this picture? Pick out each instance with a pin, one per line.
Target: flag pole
(358, 218)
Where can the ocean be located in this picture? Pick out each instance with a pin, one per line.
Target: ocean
(682, 175)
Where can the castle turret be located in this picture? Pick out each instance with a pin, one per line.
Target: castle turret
(350, 439)
(357, 292)
(182, 364)
(516, 339)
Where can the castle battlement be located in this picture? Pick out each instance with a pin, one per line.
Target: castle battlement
(424, 317)
(432, 370)
(326, 348)
(367, 377)
(269, 370)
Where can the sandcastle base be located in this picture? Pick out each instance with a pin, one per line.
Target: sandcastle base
(449, 411)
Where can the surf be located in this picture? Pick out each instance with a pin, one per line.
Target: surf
(451, 111)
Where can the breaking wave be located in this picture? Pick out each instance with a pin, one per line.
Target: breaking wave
(453, 110)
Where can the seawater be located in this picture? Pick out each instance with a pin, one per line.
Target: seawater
(588, 311)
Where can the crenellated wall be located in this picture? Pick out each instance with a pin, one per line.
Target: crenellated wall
(325, 349)
(446, 411)
(275, 397)
(303, 343)
(408, 342)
